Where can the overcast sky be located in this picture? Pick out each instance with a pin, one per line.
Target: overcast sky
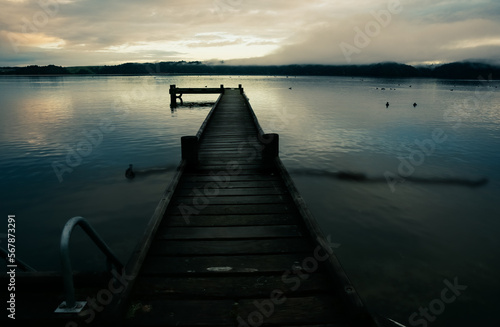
(97, 32)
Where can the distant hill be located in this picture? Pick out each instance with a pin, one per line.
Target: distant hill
(34, 70)
(458, 70)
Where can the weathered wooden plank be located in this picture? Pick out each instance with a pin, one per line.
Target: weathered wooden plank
(221, 265)
(234, 152)
(215, 139)
(237, 147)
(229, 169)
(234, 232)
(232, 192)
(234, 121)
(233, 170)
(230, 143)
(234, 200)
(229, 147)
(232, 185)
(235, 166)
(212, 189)
(229, 124)
(232, 220)
(242, 162)
(223, 177)
(236, 138)
(219, 247)
(240, 287)
(254, 137)
(234, 118)
(216, 209)
(224, 170)
(237, 133)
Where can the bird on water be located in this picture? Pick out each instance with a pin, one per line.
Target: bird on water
(414, 104)
(129, 173)
(387, 105)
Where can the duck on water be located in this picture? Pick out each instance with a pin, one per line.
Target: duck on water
(129, 173)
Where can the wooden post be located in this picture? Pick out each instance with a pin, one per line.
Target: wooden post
(241, 88)
(173, 97)
(189, 148)
(222, 88)
(270, 148)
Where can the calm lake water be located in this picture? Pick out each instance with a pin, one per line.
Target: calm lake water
(416, 220)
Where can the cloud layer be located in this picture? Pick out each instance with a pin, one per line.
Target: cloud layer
(96, 32)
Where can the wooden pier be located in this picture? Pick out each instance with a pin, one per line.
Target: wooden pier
(232, 243)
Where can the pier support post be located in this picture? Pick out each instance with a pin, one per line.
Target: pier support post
(270, 148)
(240, 88)
(173, 96)
(189, 148)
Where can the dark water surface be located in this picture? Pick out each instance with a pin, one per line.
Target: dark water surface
(65, 143)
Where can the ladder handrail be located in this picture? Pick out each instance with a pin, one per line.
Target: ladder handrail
(20, 264)
(65, 257)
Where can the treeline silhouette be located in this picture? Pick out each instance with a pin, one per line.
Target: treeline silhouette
(457, 70)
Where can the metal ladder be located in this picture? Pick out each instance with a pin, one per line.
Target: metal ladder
(71, 305)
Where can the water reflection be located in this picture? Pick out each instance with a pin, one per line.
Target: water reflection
(132, 173)
(361, 177)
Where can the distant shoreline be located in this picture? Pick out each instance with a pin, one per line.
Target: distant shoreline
(458, 70)
(238, 75)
